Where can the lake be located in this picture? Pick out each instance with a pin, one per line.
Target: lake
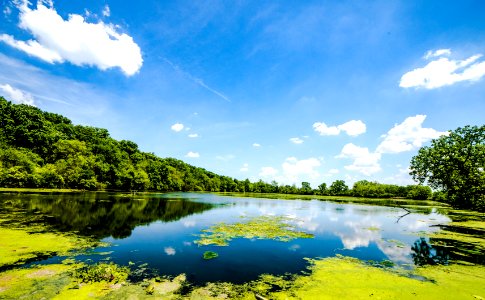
(155, 234)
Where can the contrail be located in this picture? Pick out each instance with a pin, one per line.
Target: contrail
(196, 80)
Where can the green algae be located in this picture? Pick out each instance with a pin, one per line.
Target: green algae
(210, 255)
(20, 245)
(263, 227)
(107, 272)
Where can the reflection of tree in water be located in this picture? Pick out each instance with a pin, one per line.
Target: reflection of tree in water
(443, 250)
(426, 254)
(104, 216)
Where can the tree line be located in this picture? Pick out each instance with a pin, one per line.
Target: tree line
(45, 150)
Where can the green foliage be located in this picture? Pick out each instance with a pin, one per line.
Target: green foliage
(210, 255)
(455, 164)
(45, 150)
(107, 272)
(338, 187)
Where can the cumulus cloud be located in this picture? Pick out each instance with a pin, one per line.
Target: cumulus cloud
(407, 136)
(191, 154)
(444, 71)
(177, 127)
(437, 53)
(296, 140)
(193, 135)
(324, 129)
(268, 171)
(16, 95)
(75, 40)
(351, 128)
(365, 162)
(256, 145)
(294, 168)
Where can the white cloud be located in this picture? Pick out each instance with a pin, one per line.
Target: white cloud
(32, 48)
(443, 71)
(407, 136)
(365, 162)
(16, 95)
(296, 140)
(106, 11)
(437, 53)
(268, 171)
(244, 168)
(191, 154)
(333, 171)
(193, 135)
(256, 145)
(351, 128)
(169, 251)
(75, 40)
(293, 169)
(323, 129)
(177, 127)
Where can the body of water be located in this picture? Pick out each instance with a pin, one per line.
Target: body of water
(157, 232)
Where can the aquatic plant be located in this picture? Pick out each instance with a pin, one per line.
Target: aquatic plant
(108, 272)
(276, 228)
(210, 255)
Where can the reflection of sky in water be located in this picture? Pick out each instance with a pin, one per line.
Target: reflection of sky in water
(363, 231)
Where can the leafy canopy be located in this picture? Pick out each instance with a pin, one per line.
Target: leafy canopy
(455, 164)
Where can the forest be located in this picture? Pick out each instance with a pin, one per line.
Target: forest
(40, 149)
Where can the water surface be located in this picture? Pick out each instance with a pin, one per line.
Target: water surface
(158, 231)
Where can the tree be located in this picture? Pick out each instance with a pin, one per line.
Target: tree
(338, 187)
(306, 188)
(322, 189)
(455, 164)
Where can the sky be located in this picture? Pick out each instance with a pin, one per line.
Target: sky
(289, 91)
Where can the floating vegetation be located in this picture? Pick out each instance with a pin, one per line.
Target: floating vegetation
(107, 272)
(210, 255)
(20, 245)
(398, 244)
(263, 227)
(372, 228)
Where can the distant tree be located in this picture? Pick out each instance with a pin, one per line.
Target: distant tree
(306, 188)
(455, 164)
(322, 189)
(338, 187)
(419, 192)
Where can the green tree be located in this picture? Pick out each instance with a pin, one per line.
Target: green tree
(338, 187)
(455, 164)
(306, 189)
(322, 189)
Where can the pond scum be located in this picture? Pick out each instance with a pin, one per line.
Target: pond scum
(329, 278)
(276, 228)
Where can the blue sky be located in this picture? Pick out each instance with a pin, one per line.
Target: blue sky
(289, 91)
